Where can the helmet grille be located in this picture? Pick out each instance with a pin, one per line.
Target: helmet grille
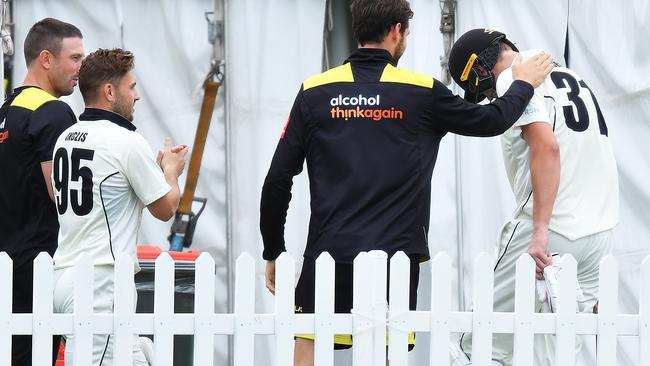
(490, 55)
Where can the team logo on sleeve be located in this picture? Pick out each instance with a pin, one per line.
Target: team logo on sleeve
(531, 109)
(5, 134)
(284, 129)
(361, 106)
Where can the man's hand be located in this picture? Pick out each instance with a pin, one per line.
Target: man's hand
(174, 149)
(172, 162)
(534, 70)
(538, 249)
(270, 276)
(172, 158)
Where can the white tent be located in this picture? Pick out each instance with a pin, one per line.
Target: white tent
(271, 46)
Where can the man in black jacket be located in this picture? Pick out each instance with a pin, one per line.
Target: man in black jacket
(31, 120)
(370, 133)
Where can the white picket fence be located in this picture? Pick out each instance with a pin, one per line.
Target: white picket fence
(369, 322)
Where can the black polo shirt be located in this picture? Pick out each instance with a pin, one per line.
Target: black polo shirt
(30, 122)
(370, 132)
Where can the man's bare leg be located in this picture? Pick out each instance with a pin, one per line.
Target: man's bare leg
(304, 352)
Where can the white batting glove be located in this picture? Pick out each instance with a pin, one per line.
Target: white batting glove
(540, 290)
(551, 275)
(458, 357)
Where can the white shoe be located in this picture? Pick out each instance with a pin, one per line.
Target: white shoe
(458, 357)
(146, 345)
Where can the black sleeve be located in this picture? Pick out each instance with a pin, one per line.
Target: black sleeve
(276, 193)
(46, 124)
(456, 115)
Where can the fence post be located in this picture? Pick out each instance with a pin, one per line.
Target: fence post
(204, 310)
(379, 267)
(284, 309)
(369, 314)
(644, 313)
(361, 310)
(566, 312)
(42, 309)
(483, 306)
(123, 308)
(163, 309)
(524, 336)
(6, 285)
(324, 311)
(440, 309)
(82, 353)
(244, 336)
(400, 284)
(607, 311)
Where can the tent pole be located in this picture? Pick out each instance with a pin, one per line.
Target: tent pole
(459, 223)
(448, 29)
(219, 56)
(5, 18)
(216, 36)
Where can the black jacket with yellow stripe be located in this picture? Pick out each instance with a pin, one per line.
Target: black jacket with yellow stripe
(370, 134)
(30, 122)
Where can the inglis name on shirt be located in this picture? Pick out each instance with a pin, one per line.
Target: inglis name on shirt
(358, 106)
(76, 136)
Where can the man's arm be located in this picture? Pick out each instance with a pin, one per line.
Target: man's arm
(48, 122)
(164, 207)
(456, 115)
(287, 162)
(172, 162)
(545, 178)
(46, 167)
(270, 276)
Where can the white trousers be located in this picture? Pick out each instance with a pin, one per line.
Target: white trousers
(513, 242)
(102, 303)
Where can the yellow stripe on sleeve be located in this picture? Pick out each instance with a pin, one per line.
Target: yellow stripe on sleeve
(393, 74)
(32, 98)
(340, 74)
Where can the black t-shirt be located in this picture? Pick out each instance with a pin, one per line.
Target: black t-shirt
(369, 133)
(31, 121)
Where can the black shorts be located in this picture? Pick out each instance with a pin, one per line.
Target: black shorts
(343, 294)
(22, 302)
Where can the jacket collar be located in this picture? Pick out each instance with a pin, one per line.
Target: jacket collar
(371, 55)
(96, 114)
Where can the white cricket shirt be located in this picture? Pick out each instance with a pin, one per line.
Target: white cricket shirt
(587, 200)
(103, 175)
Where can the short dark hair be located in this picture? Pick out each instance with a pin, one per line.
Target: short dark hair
(503, 46)
(372, 19)
(101, 67)
(48, 34)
